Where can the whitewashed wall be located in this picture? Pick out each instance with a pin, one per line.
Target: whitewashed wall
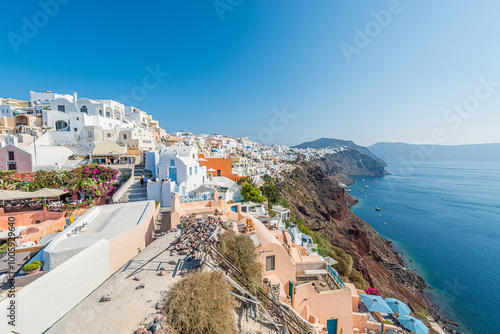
(43, 302)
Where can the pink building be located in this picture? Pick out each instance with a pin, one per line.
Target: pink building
(15, 158)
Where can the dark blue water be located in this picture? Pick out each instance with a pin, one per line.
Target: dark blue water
(445, 217)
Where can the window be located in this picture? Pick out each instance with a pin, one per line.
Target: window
(38, 221)
(269, 263)
(124, 136)
(11, 155)
(172, 162)
(76, 129)
(83, 109)
(77, 119)
(100, 112)
(91, 134)
(190, 170)
(196, 169)
(11, 166)
(61, 108)
(108, 114)
(109, 135)
(218, 172)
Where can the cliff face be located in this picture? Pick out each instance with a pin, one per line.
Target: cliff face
(331, 142)
(350, 162)
(323, 204)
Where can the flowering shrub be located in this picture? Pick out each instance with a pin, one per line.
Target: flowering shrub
(372, 291)
(91, 180)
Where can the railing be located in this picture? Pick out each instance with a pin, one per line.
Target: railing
(336, 277)
(23, 208)
(196, 198)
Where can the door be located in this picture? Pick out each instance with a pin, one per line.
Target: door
(290, 291)
(172, 173)
(331, 325)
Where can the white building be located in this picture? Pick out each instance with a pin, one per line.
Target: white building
(176, 170)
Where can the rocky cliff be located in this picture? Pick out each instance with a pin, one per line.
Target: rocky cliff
(323, 205)
(350, 162)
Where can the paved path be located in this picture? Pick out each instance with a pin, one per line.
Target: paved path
(128, 307)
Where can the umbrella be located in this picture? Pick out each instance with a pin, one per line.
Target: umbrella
(413, 324)
(398, 306)
(375, 304)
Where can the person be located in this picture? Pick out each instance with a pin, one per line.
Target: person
(142, 180)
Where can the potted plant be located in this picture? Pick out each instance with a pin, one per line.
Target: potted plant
(32, 268)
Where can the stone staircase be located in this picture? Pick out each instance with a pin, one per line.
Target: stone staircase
(136, 193)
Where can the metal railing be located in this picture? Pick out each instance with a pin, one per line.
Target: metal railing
(196, 198)
(336, 277)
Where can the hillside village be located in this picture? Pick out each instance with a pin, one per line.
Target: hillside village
(101, 208)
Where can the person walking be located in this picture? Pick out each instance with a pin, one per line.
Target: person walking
(142, 179)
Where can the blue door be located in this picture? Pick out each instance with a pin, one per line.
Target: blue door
(172, 174)
(331, 325)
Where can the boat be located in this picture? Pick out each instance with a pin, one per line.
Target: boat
(375, 181)
(360, 191)
(377, 208)
(366, 186)
(364, 196)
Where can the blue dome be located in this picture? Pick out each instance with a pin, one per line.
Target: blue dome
(249, 146)
(214, 150)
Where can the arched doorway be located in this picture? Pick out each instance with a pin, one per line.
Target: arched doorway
(61, 125)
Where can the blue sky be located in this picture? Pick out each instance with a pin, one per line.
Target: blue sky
(232, 75)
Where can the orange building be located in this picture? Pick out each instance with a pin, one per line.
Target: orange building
(218, 166)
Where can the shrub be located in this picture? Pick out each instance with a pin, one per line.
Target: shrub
(200, 303)
(372, 291)
(357, 279)
(32, 266)
(240, 250)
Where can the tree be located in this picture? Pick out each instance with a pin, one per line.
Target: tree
(271, 192)
(251, 193)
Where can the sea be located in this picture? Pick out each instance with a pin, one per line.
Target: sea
(444, 217)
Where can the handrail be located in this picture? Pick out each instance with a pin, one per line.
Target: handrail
(336, 277)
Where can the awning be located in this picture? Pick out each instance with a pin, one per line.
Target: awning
(46, 192)
(9, 195)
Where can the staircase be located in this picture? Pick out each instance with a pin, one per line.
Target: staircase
(136, 193)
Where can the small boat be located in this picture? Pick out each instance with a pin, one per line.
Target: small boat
(348, 190)
(375, 181)
(380, 215)
(364, 196)
(385, 223)
(377, 208)
(366, 186)
(360, 191)
(363, 180)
